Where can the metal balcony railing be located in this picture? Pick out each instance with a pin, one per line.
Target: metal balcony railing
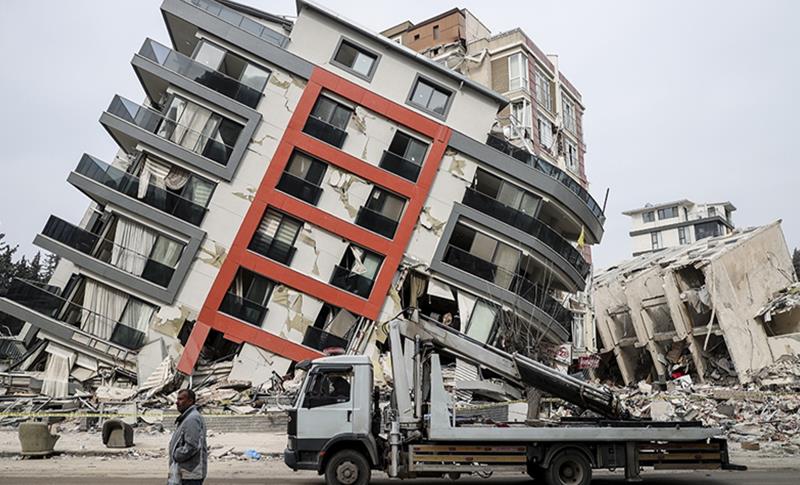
(322, 130)
(399, 166)
(300, 188)
(273, 249)
(318, 339)
(376, 222)
(200, 73)
(243, 309)
(357, 284)
(238, 20)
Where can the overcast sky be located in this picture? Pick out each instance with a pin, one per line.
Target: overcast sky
(684, 99)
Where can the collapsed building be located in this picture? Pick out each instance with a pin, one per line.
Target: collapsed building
(708, 309)
(287, 187)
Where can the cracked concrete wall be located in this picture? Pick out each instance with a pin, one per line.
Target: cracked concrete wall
(610, 297)
(369, 134)
(317, 252)
(290, 312)
(343, 193)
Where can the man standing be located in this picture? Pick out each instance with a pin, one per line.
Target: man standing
(188, 453)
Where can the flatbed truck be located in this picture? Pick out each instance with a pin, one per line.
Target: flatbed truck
(337, 427)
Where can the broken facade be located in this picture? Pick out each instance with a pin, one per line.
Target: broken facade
(287, 187)
(694, 309)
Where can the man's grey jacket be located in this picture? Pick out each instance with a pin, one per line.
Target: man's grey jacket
(188, 447)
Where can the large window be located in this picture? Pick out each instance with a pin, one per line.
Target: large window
(682, 235)
(668, 212)
(571, 155)
(649, 216)
(521, 111)
(404, 156)
(707, 229)
(569, 114)
(481, 321)
(231, 65)
(247, 297)
(505, 192)
(357, 271)
(172, 189)
(303, 177)
(381, 212)
(517, 71)
(328, 121)
(430, 97)
(655, 240)
(473, 249)
(544, 91)
(276, 235)
(355, 59)
(545, 133)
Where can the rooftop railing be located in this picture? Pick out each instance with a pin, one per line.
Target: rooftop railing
(238, 20)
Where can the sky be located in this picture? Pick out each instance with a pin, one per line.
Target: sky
(684, 99)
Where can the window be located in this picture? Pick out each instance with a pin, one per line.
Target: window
(381, 212)
(655, 240)
(275, 236)
(430, 97)
(682, 235)
(435, 32)
(416, 36)
(357, 271)
(544, 91)
(707, 229)
(517, 71)
(327, 387)
(505, 192)
(712, 211)
(668, 212)
(328, 121)
(172, 188)
(473, 250)
(521, 113)
(247, 297)
(404, 156)
(233, 66)
(648, 216)
(571, 156)
(481, 321)
(303, 177)
(545, 133)
(570, 120)
(355, 59)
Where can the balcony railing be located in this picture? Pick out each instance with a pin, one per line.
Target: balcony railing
(158, 124)
(238, 20)
(273, 249)
(357, 284)
(300, 188)
(548, 169)
(541, 231)
(376, 222)
(243, 309)
(322, 130)
(318, 339)
(125, 183)
(46, 300)
(87, 243)
(511, 281)
(399, 166)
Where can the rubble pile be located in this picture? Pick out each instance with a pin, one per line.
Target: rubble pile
(762, 414)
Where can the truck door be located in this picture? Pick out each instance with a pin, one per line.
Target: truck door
(327, 407)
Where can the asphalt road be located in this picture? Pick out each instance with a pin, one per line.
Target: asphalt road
(761, 477)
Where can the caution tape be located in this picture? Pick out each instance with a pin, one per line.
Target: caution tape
(114, 415)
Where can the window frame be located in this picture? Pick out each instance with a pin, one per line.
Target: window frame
(522, 76)
(360, 48)
(682, 239)
(655, 240)
(436, 86)
(649, 216)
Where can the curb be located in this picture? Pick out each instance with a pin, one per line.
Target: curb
(121, 453)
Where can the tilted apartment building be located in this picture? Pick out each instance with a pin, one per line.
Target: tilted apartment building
(290, 186)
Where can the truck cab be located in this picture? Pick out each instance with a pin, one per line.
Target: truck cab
(330, 427)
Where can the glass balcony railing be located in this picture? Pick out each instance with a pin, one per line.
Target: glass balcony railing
(300, 188)
(511, 281)
(47, 301)
(238, 20)
(322, 130)
(541, 231)
(127, 184)
(320, 340)
(399, 166)
(87, 243)
(548, 169)
(357, 284)
(200, 73)
(243, 309)
(273, 249)
(158, 124)
(376, 222)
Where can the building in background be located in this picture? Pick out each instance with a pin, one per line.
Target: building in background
(285, 187)
(658, 226)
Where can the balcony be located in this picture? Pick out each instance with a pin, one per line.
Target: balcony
(199, 73)
(515, 283)
(322, 130)
(273, 249)
(86, 242)
(300, 188)
(530, 225)
(318, 339)
(126, 184)
(243, 309)
(357, 284)
(399, 166)
(548, 169)
(236, 19)
(376, 222)
(45, 300)
(153, 122)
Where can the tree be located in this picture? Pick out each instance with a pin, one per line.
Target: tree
(796, 261)
(7, 266)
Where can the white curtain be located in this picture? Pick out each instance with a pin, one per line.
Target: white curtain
(200, 192)
(154, 173)
(482, 321)
(132, 245)
(105, 306)
(166, 252)
(466, 303)
(195, 126)
(137, 315)
(176, 178)
(56, 376)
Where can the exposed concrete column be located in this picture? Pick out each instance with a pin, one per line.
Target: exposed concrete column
(682, 320)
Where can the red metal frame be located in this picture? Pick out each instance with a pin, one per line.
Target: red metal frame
(268, 196)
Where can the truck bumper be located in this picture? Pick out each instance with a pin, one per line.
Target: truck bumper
(292, 459)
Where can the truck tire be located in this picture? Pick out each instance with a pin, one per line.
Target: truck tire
(347, 467)
(568, 467)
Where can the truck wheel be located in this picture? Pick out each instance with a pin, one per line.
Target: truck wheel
(347, 467)
(568, 467)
